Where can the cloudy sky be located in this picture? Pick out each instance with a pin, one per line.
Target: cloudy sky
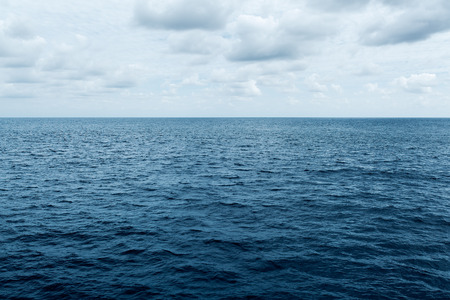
(342, 58)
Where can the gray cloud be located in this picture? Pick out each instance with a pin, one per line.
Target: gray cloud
(303, 26)
(396, 2)
(20, 62)
(196, 42)
(412, 24)
(121, 84)
(18, 95)
(23, 76)
(254, 50)
(338, 5)
(182, 14)
(16, 28)
(261, 39)
(368, 69)
(351, 5)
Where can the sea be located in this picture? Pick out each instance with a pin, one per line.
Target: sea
(224, 208)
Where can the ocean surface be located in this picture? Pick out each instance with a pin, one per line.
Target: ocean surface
(225, 208)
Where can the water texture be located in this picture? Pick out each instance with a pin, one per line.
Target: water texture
(225, 208)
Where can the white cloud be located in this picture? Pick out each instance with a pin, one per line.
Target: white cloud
(193, 80)
(19, 47)
(374, 88)
(337, 88)
(289, 36)
(244, 89)
(314, 85)
(417, 83)
(14, 91)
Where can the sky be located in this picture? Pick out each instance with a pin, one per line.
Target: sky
(212, 58)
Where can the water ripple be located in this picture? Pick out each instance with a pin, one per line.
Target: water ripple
(224, 208)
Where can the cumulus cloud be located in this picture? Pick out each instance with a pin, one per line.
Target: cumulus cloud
(244, 89)
(182, 14)
(372, 87)
(19, 46)
(242, 82)
(281, 76)
(337, 88)
(72, 61)
(288, 37)
(193, 80)
(314, 85)
(417, 83)
(376, 89)
(30, 64)
(408, 22)
(75, 62)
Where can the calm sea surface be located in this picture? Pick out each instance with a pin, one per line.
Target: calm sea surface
(225, 208)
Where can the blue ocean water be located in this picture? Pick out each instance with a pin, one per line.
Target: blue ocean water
(225, 208)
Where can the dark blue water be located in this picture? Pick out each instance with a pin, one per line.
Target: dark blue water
(225, 208)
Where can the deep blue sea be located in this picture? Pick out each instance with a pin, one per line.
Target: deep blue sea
(255, 208)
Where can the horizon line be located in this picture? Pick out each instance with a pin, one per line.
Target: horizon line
(224, 117)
